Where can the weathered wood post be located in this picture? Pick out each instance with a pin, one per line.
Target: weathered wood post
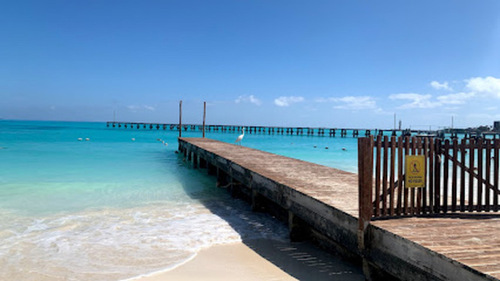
(365, 186)
(204, 116)
(180, 119)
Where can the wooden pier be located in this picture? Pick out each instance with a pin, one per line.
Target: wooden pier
(270, 130)
(321, 203)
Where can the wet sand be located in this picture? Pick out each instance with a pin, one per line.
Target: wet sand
(262, 260)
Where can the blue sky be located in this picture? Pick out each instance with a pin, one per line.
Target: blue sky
(292, 63)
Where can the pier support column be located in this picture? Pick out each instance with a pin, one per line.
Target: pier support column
(194, 160)
(298, 228)
(222, 178)
(257, 201)
(234, 188)
(202, 162)
(211, 169)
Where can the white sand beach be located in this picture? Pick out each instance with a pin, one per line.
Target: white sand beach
(262, 260)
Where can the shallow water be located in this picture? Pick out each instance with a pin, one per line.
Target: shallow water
(112, 208)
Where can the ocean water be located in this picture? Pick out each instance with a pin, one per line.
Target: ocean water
(122, 203)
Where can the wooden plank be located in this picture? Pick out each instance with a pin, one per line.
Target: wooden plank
(471, 178)
(437, 177)
(496, 170)
(445, 176)
(480, 172)
(392, 176)
(454, 179)
(431, 175)
(487, 173)
(384, 177)
(413, 208)
(462, 175)
(377, 177)
(418, 147)
(406, 191)
(425, 149)
(400, 175)
(412, 190)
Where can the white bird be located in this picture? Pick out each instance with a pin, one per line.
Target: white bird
(240, 137)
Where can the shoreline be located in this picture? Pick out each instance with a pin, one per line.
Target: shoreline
(146, 276)
(260, 259)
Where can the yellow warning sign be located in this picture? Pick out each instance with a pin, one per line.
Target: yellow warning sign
(415, 171)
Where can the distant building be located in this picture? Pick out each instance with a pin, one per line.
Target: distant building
(496, 126)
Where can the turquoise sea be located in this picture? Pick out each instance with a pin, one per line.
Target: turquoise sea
(122, 203)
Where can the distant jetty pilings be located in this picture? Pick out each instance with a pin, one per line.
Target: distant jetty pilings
(270, 130)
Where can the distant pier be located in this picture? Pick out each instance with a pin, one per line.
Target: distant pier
(269, 130)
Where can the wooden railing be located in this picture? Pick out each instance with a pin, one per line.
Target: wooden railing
(460, 176)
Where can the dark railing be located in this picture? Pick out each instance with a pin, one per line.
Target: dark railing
(460, 176)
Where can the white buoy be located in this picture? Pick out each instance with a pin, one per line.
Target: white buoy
(80, 139)
(133, 139)
(87, 139)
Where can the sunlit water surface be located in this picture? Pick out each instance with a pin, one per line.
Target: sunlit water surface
(123, 203)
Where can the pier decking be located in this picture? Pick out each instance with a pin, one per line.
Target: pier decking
(322, 202)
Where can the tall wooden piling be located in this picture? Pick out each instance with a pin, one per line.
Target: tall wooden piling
(180, 119)
(204, 116)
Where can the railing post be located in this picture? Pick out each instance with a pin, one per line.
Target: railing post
(365, 186)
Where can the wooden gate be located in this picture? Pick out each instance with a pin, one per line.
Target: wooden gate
(460, 176)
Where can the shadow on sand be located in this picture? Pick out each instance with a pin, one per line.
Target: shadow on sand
(301, 260)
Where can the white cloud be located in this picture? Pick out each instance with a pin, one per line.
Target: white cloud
(441, 86)
(489, 86)
(355, 103)
(476, 87)
(416, 100)
(250, 99)
(379, 110)
(136, 108)
(458, 98)
(286, 101)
